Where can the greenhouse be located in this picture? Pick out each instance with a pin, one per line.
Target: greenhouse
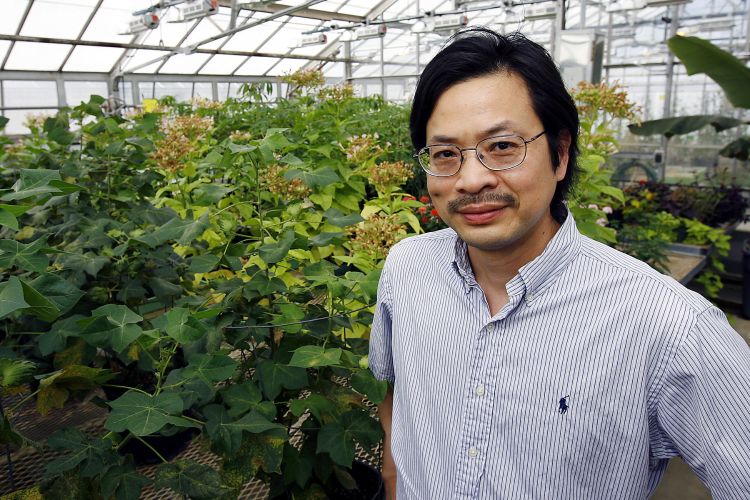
(198, 205)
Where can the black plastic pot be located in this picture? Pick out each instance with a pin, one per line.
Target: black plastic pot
(168, 446)
(369, 485)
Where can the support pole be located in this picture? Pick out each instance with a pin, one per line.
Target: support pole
(673, 14)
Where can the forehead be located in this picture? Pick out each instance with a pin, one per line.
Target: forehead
(498, 102)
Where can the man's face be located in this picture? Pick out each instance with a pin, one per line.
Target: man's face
(494, 210)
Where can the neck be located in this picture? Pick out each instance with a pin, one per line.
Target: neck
(493, 269)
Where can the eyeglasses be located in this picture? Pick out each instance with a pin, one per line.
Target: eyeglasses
(499, 152)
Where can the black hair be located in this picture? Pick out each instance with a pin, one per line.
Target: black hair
(476, 52)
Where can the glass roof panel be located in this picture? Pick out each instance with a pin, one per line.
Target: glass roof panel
(354, 10)
(287, 66)
(37, 56)
(222, 64)
(287, 38)
(4, 44)
(12, 14)
(207, 29)
(184, 64)
(257, 66)
(251, 38)
(93, 59)
(139, 57)
(53, 19)
(111, 21)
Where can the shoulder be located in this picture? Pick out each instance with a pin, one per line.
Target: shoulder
(639, 278)
(434, 244)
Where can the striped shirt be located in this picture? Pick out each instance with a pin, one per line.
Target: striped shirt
(595, 373)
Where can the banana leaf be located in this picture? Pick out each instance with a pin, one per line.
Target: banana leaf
(701, 56)
(683, 125)
(738, 148)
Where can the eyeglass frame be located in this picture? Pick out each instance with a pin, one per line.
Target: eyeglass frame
(461, 152)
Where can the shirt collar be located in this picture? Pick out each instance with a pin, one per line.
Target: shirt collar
(540, 272)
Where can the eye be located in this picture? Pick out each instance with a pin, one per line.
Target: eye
(501, 146)
(443, 153)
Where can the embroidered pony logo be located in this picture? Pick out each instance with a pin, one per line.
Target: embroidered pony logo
(563, 405)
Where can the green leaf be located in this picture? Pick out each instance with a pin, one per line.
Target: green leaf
(369, 285)
(33, 182)
(39, 306)
(123, 483)
(54, 340)
(182, 230)
(227, 431)
(8, 219)
(290, 159)
(365, 383)
(320, 177)
(338, 219)
(669, 127)
(3, 122)
(182, 327)
(319, 406)
(88, 262)
(326, 238)
(298, 464)
(64, 187)
(338, 438)
(320, 272)
(191, 479)
(242, 398)
(311, 356)
(54, 388)
(203, 263)
(701, 56)
(27, 257)
(68, 439)
(11, 297)
(63, 294)
(275, 376)
(112, 326)
(16, 210)
(210, 368)
(143, 414)
(165, 291)
(272, 253)
(738, 148)
(8, 434)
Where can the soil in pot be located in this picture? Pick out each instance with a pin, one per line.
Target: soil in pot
(168, 446)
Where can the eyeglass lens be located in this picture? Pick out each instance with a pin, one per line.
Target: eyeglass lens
(497, 153)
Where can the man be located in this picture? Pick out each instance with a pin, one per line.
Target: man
(528, 361)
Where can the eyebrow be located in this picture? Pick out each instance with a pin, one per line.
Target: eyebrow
(503, 126)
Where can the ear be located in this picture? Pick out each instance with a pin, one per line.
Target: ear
(563, 153)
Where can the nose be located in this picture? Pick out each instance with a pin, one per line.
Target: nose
(474, 176)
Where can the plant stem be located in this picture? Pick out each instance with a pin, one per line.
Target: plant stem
(195, 420)
(127, 387)
(160, 376)
(17, 405)
(151, 448)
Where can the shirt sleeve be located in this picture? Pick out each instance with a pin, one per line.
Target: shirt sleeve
(381, 355)
(704, 405)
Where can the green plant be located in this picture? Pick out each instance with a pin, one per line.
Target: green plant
(731, 74)
(594, 198)
(211, 269)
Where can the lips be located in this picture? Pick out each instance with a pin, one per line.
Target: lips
(480, 214)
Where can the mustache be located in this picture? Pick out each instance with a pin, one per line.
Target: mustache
(479, 199)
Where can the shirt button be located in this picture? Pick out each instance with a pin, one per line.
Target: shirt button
(479, 391)
(529, 296)
(473, 452)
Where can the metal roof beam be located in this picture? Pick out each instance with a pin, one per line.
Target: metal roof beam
(80, 33)
(321, 15)
(176, 50)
